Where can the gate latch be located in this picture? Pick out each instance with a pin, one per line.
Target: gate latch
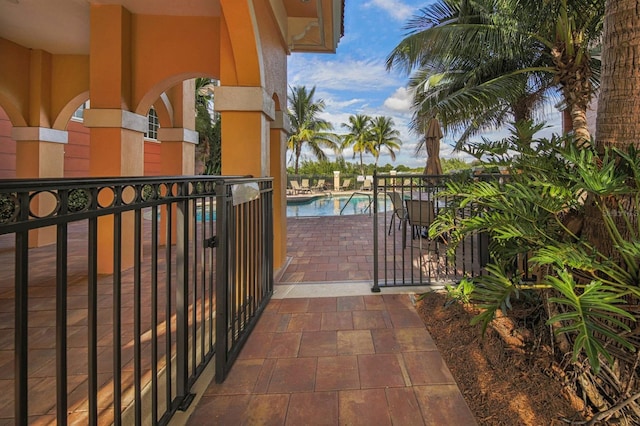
(211, 242)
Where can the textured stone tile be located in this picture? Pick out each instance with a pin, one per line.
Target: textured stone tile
(355, 342)
(371, 319)
(337, 373)
(267, 410)
(336, 321)
(395, 302)
(284, 345)
(403, 407)
(402, 318)
(293, 375)
(374, 303)
(427, 368)
(257, 346)
(350, 303)
(317, 408)
(414, 339)
(443, 405)
(305, 322)
(264, 376)
(384, 341)
(318, 343)
(293, 306)
(363, 407)
(271, 322)
(323, 304)
(241, 379)
(221, 409)
(380, 371)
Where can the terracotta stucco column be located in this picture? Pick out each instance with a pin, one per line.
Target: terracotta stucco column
(253, 140)
(40, 154)
(245, 113)
(177, 158)
(279, 131)
(117, 149)
(117, 134)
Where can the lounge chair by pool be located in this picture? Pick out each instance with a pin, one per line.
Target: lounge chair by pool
(345, 185)
(319, 186)
(297, 189)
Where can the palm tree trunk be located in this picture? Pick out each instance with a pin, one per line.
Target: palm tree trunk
(617, 123)
(298, 152)
(580, 127)
(619, 101)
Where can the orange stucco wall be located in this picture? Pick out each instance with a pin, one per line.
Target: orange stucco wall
(133, 60)
(76, 152)
(152, 158)
(273, 55)
(7, 148)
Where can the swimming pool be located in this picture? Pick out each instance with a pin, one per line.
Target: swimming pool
(332, 205)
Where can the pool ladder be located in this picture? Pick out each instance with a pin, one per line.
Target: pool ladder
(359, 193)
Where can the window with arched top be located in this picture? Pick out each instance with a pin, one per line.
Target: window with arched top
(78, 114)
(154, 124)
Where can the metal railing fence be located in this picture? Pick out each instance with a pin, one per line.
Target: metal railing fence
(403, 254)
(125, 301)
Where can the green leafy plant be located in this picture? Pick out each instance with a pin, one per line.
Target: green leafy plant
(534, 213)
(461, 292)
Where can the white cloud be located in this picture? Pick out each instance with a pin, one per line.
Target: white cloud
(399, 101)
(348, 74)
(397, 9)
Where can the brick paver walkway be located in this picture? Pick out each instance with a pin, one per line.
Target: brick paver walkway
(358, 360)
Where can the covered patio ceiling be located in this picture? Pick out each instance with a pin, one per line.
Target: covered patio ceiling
(62, 26)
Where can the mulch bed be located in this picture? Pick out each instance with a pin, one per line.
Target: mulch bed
(502, 386)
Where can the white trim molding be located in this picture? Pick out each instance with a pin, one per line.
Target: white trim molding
(119, 118)
(43, 134)
(236, 98)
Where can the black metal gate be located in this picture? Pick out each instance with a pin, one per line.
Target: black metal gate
(132, 287)
(405, 205)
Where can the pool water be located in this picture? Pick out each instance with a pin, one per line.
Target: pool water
(333, 205)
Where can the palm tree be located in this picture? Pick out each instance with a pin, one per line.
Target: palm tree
(618, 106)
(307, 128)
(385, 137)
(479, 64)
(359, 137)
(208, 150)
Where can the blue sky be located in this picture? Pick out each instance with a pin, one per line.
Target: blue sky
(354, 80)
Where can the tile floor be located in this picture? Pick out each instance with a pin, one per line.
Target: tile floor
(327, 351)
(347, 360)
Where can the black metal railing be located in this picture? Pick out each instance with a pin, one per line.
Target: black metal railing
(122, 289)
(403, 253)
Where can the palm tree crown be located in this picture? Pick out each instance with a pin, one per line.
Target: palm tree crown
(385, 136)
(478, 64)
(307, 128)
(359, 137)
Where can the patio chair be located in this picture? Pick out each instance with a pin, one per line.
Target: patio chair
(420, 214)
(319, 186)
(295, 186)
(345, 185)
(367, 185)
(305, 185)
(398, 209)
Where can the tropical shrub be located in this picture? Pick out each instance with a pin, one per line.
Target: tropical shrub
(534, 214)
